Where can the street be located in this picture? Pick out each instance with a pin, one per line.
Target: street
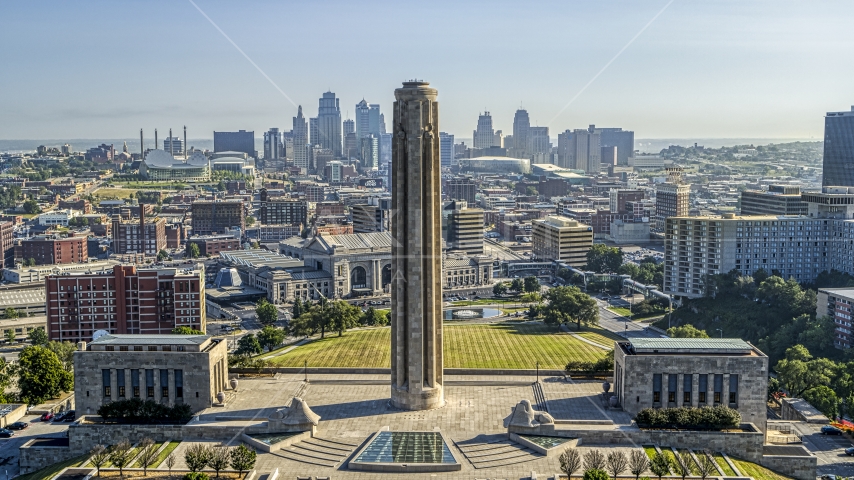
(620, 324)
(9, 446)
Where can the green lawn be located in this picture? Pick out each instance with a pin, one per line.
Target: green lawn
(692, 465)
(51, 470)
(137, 463)
(165, 453)
(650, 451)
(512, 346)
(758, 472)
(114, 193)
(595, 334)
(719, 459)
(621, 311)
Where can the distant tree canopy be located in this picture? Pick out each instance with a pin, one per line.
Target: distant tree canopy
(570, 304)
(686, 331)
(604, 259)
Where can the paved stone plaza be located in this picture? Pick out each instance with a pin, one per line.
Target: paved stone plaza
(354, 407)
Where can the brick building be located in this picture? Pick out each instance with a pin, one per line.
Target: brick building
(282, 210)
(143, 235)
(7, 246)
(176, 233)
(212, 217)
(82, 205)
(213, 244)
(49, 249)
(126, 301)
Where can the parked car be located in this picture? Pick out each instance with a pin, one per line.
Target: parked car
(46, 417)
(18, 426)
(849, 451)
(58, 416)
(70, 416)
(830, 430)
(5, 433)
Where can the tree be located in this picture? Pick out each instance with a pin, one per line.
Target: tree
(266, 312)
(686, 331)
(375, 318)
(218, 458)
(595, 474)
(41, 375)
(517, 285)
(682, 465)
(38, 336)
(706, 465)
(570, 304)
(659, 465)
(570, 461)
(170, 462)
(64, 352)
(242, 458)
(250, 220)
(604, 259)
(98, 457)
(531, 284)
(196, 456)
(343, 316)
(185, 330)
(824, 399)
(162, 255)
(594, 460)
(31, 207)
(193, 250)
(271, 337)
(11, 313)
(298, 308)
(248, 345)
(499, 289)
(638, 463)
(120, 455)
(800, 372)
(617, 463)
(10, 335)
(147, 454)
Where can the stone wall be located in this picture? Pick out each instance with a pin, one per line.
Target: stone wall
(800, 467)
(747, 445)
(83, 436)
(31, 459)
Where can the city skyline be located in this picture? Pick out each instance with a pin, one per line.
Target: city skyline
(710, 70)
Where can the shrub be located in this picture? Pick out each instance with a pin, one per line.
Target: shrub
(136, 410)
(596, 474)
(706, 418)
(196, 476)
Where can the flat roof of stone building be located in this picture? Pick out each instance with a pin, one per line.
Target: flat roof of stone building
(150, 339)
(691, 346)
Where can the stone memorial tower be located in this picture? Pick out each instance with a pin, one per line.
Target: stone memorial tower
(416, 288)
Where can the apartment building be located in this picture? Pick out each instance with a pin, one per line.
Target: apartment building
(211, 218)
(561, 239)
(125, 301)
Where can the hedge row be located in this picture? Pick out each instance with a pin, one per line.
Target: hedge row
(136, 410)
(706, 418)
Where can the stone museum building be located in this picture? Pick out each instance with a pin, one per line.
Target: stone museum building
(169, 369)
(691, 372)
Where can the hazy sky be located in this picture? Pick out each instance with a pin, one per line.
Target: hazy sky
(703, 68)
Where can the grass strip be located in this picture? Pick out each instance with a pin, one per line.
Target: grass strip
(51, 470)
(165, 453)
(758, 472)
(728, 471)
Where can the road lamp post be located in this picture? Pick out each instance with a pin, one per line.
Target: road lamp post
(722, 332)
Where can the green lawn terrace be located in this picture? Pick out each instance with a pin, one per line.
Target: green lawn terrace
(483, 346)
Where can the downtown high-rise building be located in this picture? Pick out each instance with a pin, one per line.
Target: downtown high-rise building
(313, 133)
(838, 149)
(329, 123)
(349, 127)
(579, 149)
(521, 128)
(617, 137)
(538, 141)
(363, 119)
(300, 140)
(376, 120)
(484, 135)
(273, 148)
(446, 149)
(240, 141)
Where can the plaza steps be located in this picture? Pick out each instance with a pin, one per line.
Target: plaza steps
(318, 451)
(496, 453)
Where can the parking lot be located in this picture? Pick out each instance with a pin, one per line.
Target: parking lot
(829, 449)
(9, 446)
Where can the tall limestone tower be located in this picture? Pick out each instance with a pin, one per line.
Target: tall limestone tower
(416, 288)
